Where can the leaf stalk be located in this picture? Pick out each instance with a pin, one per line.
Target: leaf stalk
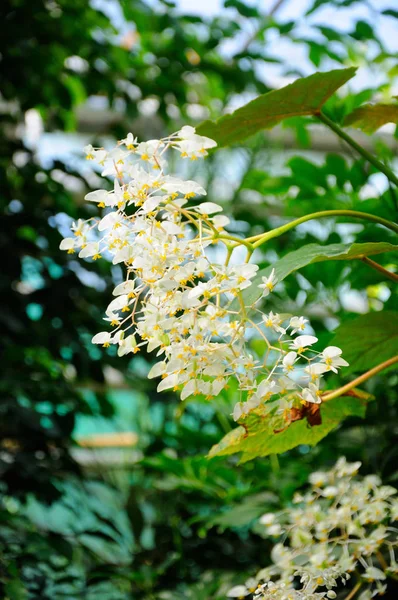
(367, 155)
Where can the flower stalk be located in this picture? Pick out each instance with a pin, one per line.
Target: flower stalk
(361, 379)
(260, 239)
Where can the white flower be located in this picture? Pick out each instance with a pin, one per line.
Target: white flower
(127, 287)
(91, 249)
(374, 574)
(332, 358)
(268, 283)
(267, 519)
(94, 154)
(301, 342)
(104, 338)
(101, 197)
(130, 141)
(288, 361)
(311, 394)
(176, 299)
(240, 591)
(274, 322)
(192, 145)
(69, 244)
(208, 208)
(315, 370)
(127, 345)
(238, 411)
(297, 324)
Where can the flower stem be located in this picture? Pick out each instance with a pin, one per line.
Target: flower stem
(258, 240)
(367, 155)
(354, 591)
(364, 377)
(238, 241)
(377, 267)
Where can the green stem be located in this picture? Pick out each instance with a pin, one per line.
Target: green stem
(382, 270)
(264, 237)
(237, 240)
(367, 155)
(364, 377)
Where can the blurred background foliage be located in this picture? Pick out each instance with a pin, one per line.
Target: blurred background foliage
(149, 516)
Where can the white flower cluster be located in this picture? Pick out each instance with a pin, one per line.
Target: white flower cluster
(180, 302)
(342, 528)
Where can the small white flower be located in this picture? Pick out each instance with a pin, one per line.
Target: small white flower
(311, 394)
(268, 283)
(208, 208)
(267, 519)
(274, 321)
(288, 361)
(301, 343)
(130, 141)
(297, 324)
(332, 358)
(374, 574)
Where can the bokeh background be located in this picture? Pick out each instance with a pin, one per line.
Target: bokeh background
(105, 490)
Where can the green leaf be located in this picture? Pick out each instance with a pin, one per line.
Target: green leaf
(368, 340)
(313, 253)
(257, 438)
(15, 590)
(371, 117)
(243, 514)
(390, 12)
(303, 97)
(242, 8)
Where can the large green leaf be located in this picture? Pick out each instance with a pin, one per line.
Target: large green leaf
(305, 96)
(313, 253)
(371, 117)
(368, 340)
(257, 437)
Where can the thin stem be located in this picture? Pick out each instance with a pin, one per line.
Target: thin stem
(369, 157)
(381, 560)
(354, 591)
(228, 257)
(275, 8)
(364, 377)
(237, 240)
(258, 240)
(377, 267)
(249, 255)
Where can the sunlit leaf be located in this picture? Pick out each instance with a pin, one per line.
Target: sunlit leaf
(371, 117)
(313, 253)
(303, 97)
(257, 437)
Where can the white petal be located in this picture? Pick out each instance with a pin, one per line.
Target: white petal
(124, 288)
(117, 303)
(96, 196)
(67, 243)
(101, 338)
(168, 382)
(332, 351)
(238, 591)
(157, 370)
(208, 208)
(305, 340)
